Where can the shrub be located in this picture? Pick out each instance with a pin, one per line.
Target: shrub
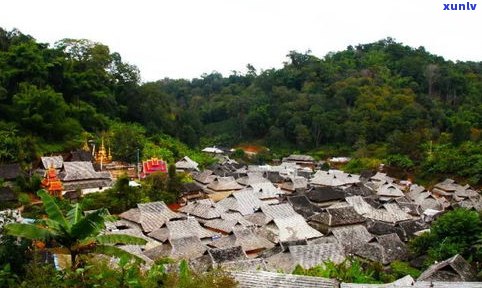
(350, 271)
(360, 164)
(455, 232)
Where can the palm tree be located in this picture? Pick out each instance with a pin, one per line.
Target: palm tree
(74, 233)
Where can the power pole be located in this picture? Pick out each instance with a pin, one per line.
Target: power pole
(137, 164)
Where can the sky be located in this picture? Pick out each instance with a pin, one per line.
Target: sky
(186, 38)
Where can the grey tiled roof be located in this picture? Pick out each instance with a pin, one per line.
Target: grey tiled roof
(393, 248)
(302, 205)
(389, 190)
(187, 163)
(87, 184)
(352, 236)
(187, 248)
(133, 215)
(390, 213)
(205, 177)
(460, 271)
(338, 216)
(386, 249)
(81, 170)
(266, 190)
(293, 183)
(225, 226)
(238, 217)
(202, 210)
(258, 218)
(224, 184)
(279, 211)
(325, 194)
(251, 241)
(227, 254)
(309, 256)
(334, 178)
(298, 157)
(52, 161)
(245, 265)
(295, 228)
(252, 178)
(247, 202)
(187, 228)
(406, 281)
(161, 234)
(154, 215)
(263, 279)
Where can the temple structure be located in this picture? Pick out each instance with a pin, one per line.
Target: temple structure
(153, 165)
(52, 183)
(103, 156)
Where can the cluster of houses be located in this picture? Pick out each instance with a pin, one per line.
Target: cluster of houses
(259, 220)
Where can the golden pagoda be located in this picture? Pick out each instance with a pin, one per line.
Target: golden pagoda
(51, 182)
(102, 156)
(85, 146)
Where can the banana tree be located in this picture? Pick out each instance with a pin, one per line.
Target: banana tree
(73, 233)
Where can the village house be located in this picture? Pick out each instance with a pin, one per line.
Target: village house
(301, 160)
(186, 164)
(82, 176)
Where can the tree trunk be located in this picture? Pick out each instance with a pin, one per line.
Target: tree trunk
(73, 260)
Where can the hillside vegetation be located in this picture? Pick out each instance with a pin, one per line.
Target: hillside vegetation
(385, 101)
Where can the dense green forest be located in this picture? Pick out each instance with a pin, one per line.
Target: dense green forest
(378, 102)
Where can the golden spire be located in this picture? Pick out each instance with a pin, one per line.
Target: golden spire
(85, 146)
(109, 155)
(102, 156)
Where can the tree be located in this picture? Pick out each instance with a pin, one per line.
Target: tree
(73, 233)
(126, 140)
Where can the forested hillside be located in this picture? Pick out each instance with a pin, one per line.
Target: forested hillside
(385, 101)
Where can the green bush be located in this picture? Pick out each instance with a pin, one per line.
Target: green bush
(350, 271)
(24, 198)
(401, 269)
(455, 232)
(401, 161)
(357, 165)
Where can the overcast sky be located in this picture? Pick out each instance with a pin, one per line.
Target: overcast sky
(186, 38)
